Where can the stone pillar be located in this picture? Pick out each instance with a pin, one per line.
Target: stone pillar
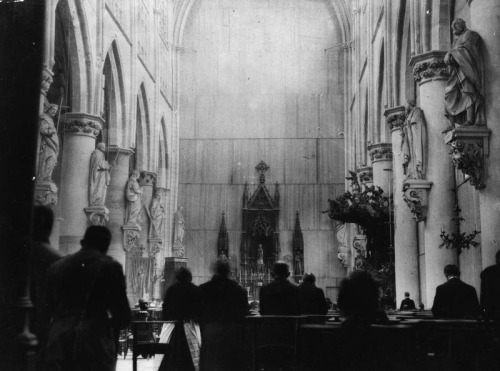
(115, 200)
(81, 130)
(484, 20)
(381, 157)
(431, 74)
(405, 227)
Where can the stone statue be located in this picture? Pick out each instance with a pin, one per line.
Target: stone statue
(99, 176)
(157, 211)
(133, 193)
(297, 264)
(464, 100)
(260, 255)
(414, 144)
(49, 145)
(179, 226)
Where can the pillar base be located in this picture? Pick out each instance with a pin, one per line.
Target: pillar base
(416, 196)
(46, 194)
(468, 146)
(98, 215)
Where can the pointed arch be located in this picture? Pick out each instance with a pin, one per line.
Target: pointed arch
(142, 130)
(163, 165)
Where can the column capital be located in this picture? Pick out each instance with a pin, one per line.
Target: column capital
(395, 117)
(78, 123)
(380, 152)
(416, 196)
(98, 215)
(468, 146)
(429, 66)
(147, 178)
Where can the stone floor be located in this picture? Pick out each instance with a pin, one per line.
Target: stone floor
(151, 364)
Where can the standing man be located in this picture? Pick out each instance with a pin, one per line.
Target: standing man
(490, 290)
(455, 299)
(88, 303)
(311, 298)
(279, 297)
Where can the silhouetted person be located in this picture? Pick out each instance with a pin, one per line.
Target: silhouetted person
(407, 303)
(311, 298)
(279, 297)
(224, 307)
(42, 256)
(490, 290)
(182, 302)
(88, 302)
(455, 299)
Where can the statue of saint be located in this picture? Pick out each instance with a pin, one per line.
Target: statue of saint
(297, 264)
(464, 100)
(260, 255)
(414, 145)
(49, 145)
(99, 176)
(179, 225)
(133, 193)
(157, 212)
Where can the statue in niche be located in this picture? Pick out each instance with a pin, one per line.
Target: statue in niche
(464, 100)
(180, 224)
(414, 144)
(133, 193)
(260, 256)
(99, 176)
(49, 144)
(157, 211)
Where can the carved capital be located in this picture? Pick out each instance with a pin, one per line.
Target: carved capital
(380, 152)
(429, 66)
(147, 179)
(365, 176)
(416, 196)
(83, 124)
(468, 146)
(155, 246)
(395, 117)
(46, 194)
(131, 235)
(98, 215)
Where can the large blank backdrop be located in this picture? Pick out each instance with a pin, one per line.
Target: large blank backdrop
(261, 80)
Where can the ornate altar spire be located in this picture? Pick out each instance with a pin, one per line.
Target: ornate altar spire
(262, 167)
(223, 241)
(276, 194)
(298, 249)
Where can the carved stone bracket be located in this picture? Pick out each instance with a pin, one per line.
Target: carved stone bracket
(46, 194)
(468, 146)
(380, 152)
(179, 251)
(98, 215)
(131, 236)
(147, 179)
(155, 245)
(344, 252)
(429, 66)
(416, 196)
(395, 117)
(365, 176)
(83, 124)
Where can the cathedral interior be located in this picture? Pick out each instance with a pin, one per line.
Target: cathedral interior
(335, 135)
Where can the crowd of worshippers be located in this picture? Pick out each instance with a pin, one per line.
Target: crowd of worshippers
(81, 305)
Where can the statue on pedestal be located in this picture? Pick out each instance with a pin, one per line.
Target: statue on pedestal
(464, 100)
(157, 212)
(99, 176)
(133, 193)
(49, 145)
(414, 145)
(179, 226)
(260, 256)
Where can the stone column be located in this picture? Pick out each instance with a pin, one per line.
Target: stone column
(431, 74)
(81, 130)
(115, 200)
(381, 157)
(405, 227)
(484, 20)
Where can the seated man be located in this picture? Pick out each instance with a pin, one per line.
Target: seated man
(455, 299)
(407, 303)
(279, 297)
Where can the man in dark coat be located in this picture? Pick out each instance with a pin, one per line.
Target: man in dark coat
(182, 302)
(42, 257)
(88, 302)
(407, 303)
(279, 297)
(224, 307)
(455, 299)
(311, 298)
(490, 290)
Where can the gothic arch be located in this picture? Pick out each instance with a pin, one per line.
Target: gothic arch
(142, 130)
(163, 166)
